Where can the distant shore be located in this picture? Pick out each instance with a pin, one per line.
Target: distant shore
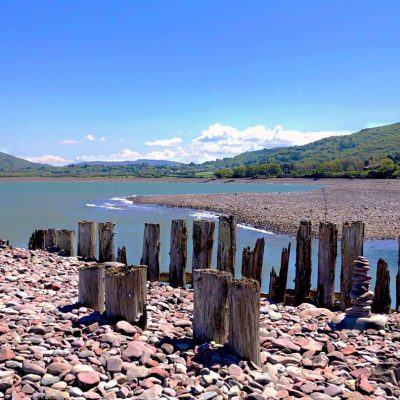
(376, 202)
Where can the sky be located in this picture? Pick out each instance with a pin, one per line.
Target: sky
(191, 80)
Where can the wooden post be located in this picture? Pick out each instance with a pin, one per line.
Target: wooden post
(65, 240)
(37, 240)
(87, 239)
(203, 240)
(91, 286)
(273, 281)
(178, 253)
(106, 241)
(210, 305)
(327, 253)
(283, 274)
(226, 255)
(382, 300)
(252, 261)
(121, 255)
(151, 251)
(303, 263)
(244, 319)
(50, 238)
(126, 295)
(352, 246)
(398, 279)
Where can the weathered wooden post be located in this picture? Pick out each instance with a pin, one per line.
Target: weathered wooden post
(210, 305)
(65, 240)
(327, 252)
(303, 263)
(398, 279)
(382, 300)
(50, 238)
(226, 255)
(121, 255)
(37, 240)
(178, 253)
(151, 251)
(244, 319)
(126, 294)
(203, 240)
(252, 261)
(273, 282)
(91, 286)
(106, 241)
(283, 275)
(352, 246)
(87, 239)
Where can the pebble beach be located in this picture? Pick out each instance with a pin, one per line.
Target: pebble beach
(376, 202)
(52, 348)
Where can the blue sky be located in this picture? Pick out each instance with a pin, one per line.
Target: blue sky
(192, 80)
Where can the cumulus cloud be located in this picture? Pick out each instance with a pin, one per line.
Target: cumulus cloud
(89, 137)
(49, 159)
(165, 142)
(68, 141)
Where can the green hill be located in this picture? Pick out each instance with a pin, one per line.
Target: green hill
(368, 144)
(11, 163)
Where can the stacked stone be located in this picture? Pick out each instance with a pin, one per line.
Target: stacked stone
(361, 295)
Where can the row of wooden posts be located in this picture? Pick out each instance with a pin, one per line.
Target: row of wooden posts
(352, 246)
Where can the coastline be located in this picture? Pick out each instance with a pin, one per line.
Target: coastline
(373, 201)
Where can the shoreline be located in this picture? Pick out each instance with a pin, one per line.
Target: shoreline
(374, 202)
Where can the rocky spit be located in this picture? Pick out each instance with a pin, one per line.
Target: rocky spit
(373, 201)
(52, 349)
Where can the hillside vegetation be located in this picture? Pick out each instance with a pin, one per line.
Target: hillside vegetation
(11, 163)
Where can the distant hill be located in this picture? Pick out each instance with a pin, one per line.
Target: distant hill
(367, 144)
(11, 163)
(124, 163)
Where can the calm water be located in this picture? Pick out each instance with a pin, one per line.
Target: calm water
(26, 206)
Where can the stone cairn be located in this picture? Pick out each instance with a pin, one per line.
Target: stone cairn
(361, 295)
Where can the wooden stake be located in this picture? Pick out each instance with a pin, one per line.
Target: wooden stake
(106, 241)
(398, 279)
(87, 239)
(121, 255)
(126, 295)
(50, 238)
(151, 251)
(283, 275)
(244, 319)
(352, 246)
(65, 240)
(327, 252)
(273, 282)
(37, 240)
(382, 300)
(252, 261)
(226, 244)
(178, 253)
(210, 305)
(303, 263)
(203, 240)
(91, 287)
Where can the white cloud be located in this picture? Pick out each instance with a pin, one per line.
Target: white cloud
(49, 159)
(68, 141)
(165, 142)
(102, 139)
(89, 137)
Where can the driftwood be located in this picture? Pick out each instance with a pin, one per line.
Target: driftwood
(226, 244)
(352, 246)
(87, 239)
(252, 261)
(151, 251)
(106, 241)
(210, 305)
(121, 255)
(203, 240)
(244, 319)
(178, 253)
(126, 295)
(303, 263)
(327, 252)
(398, 279)
(91, 287)
(382, 300)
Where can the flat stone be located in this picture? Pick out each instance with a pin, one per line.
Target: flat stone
(58, 368)
(126, 328)
(54, 394)
(32, 368)
(88, 379)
